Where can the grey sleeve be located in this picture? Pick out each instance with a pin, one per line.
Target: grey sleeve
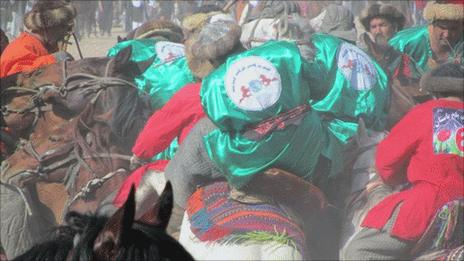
(191, 166)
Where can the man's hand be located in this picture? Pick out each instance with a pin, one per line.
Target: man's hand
(135, 162)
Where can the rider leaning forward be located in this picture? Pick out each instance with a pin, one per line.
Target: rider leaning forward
(430, 158)
(47, 24)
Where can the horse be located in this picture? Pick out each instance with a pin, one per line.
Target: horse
(118, 237)
(444, 235)
(33, 85)
(113, 102)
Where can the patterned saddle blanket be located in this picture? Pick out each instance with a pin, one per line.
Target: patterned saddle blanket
(444, 237)
(215, 217)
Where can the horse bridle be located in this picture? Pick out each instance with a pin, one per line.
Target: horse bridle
(37, 106)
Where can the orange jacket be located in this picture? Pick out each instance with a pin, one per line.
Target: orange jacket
(25, 53)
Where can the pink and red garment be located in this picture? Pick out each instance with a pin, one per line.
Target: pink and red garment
(426, 149)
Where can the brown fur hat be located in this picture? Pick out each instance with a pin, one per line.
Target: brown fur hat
(444, 10)
(447, 78)
(159, 28)
(206, 49)
(388, 12)
(49, 13)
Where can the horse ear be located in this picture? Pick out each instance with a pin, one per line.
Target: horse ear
(122, 59)
(143, 66)
(119, 39)
(160, 213)
(117, 226)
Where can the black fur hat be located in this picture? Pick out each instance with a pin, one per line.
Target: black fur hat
(388, 12)
(447, 78)
(49, 13)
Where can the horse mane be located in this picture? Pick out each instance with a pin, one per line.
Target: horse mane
(119, 237)
(129, 116)
(57, 248)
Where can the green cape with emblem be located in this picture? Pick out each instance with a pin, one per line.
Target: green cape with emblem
(415, 42)
(257, 85)
(346, 84)
(168, 73)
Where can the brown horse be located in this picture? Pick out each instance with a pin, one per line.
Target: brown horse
(64, 151)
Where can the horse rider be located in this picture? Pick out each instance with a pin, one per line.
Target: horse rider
(47, 24)
(430, 158)
(427, 46)
(381, 22)
(334, 71)
(174, 120)
(382, 19)
(230, 142)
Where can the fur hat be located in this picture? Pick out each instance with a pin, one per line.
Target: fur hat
(196, 21)
(49, 13)
(382, 10)
(446, 78)
(206, 49)
(158, 28)
(444, 10)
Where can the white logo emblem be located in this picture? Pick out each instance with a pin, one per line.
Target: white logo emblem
(253, 83)
(357, 67)
(169, 51)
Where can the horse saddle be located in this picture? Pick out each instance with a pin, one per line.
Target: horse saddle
(287, 189)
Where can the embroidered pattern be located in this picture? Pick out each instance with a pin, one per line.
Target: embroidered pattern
(214, 217)
(448, 131)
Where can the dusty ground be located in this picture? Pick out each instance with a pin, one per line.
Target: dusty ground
(96, 46)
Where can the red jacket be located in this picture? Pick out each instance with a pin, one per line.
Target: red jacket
(175, 119)
(25, 53)
(426, 149)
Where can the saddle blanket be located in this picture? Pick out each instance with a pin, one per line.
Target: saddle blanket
(215, 217)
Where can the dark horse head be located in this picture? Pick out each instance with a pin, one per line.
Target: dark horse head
(119, 237)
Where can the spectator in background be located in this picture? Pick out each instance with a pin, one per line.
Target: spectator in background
(127, 7)
(105, 17)
(138, 13)
(18, 8)
(5, 14)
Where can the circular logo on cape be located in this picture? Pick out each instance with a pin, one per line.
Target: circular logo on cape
(357, 67)
(169, 51)
(253, 83)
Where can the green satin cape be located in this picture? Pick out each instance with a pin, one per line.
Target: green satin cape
(295, 148)
(162, 79)
(343, 91)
